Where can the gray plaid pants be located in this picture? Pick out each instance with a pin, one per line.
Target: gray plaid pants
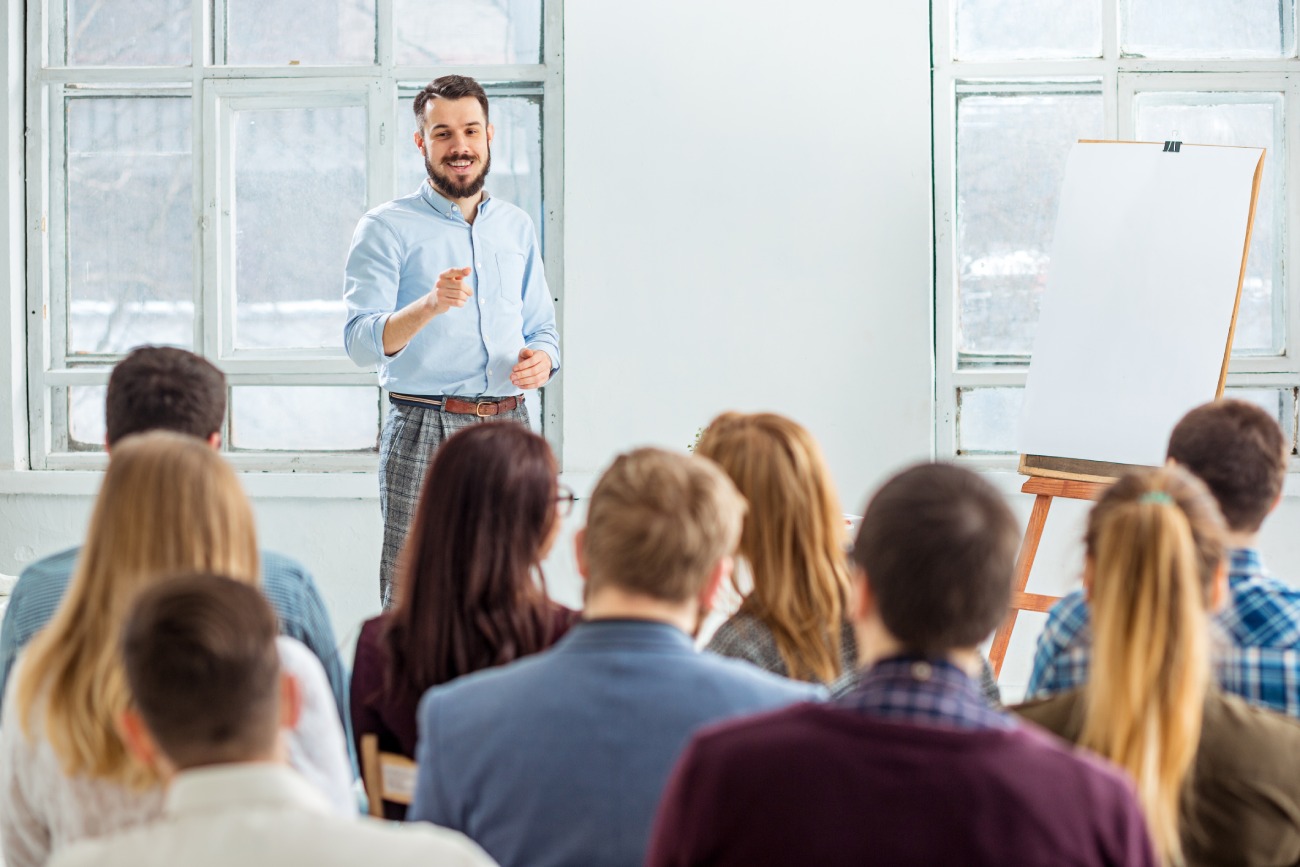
(411, 435)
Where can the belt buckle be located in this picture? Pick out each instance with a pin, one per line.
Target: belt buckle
(478, 408)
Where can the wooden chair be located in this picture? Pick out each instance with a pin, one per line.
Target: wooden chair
(388, 776)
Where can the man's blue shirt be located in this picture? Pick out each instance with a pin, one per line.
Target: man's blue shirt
(1258, 657)
(398, 251)
(285, 582)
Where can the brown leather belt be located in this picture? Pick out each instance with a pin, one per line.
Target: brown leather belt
(457, 405)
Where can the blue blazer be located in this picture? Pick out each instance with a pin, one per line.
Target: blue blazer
(560, 758)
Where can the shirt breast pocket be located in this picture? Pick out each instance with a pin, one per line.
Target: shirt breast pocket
(510, 271)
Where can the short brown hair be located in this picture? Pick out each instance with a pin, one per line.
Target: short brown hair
(164, 388)
(449, 87)
(1240, 452)
(203, 667)
(658, 522)
(938, 546)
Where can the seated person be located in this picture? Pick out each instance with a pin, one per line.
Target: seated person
(1240, 453)
(163, 388)
(912, 766)
(210, 707)
(1216, 777)
(559, 758)
(794, 620)
(470, 605)
(168, 504)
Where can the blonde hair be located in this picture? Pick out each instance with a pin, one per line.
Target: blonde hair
(1154, 545)
(793, 539)
(169, 504)
(658, 523)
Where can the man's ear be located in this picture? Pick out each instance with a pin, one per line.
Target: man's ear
(290, 701)
(861, 602)
(135, 735)
(491, 131)
(721, 572)
(419, 141)
(1219, 587)
(214, 440)
(580, 552)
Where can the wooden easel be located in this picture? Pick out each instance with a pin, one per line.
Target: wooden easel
(1084, 479)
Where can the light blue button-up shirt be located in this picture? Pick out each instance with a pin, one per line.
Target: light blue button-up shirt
(398, 251)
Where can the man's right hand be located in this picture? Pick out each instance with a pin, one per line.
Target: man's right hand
(450, 290)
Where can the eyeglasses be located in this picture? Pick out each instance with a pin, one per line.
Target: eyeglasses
(564, 501)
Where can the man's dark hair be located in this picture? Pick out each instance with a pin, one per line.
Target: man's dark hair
(938, 545)
(1240, 452)
(449, 87)
(203, 668)
(164, 388)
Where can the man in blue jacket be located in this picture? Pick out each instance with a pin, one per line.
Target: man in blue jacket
(560, 758)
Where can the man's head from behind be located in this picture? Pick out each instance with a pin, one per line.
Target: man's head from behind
(163, 388)
(661, 526)
(204, 672)
(937, 547)
(1240, 452)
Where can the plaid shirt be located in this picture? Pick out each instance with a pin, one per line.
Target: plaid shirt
(920, 692)
(1258, 650)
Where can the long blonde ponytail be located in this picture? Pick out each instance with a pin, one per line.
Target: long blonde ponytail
(1154, 545)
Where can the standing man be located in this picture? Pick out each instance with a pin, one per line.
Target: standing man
(447, 294)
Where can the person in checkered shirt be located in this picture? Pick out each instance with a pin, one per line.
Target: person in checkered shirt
(1241, 454)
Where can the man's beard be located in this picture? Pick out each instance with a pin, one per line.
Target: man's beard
(454, 188)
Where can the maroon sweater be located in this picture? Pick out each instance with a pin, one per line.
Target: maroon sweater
(817, 784)
(391, 717)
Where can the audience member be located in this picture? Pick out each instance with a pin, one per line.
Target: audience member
(912, 767)
(210, 707)
(794, 620)
(560, 758)
(469, 590)
(1240, 452)
(1153, 567)
(162, 388)
(168, 503)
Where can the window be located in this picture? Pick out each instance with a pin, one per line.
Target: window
(196, 170)
(1016, 82)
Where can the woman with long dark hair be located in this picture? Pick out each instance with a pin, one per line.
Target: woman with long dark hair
(469, 592)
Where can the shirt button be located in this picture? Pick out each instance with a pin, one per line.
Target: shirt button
(480, 264)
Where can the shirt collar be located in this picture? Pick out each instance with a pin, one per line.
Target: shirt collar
(1245, 561)
(933, 692)
(447, 207)
(213, 788)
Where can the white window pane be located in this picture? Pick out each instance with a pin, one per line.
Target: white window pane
(306, 31)
(86, 425)
(987, 419)
(1011, 153)
(1277, 402)
(436, 32)
(1020, 29)
(516, 173)
(304, 418)
(126, 33)
(300, 187)
(1253, 120)
(130, 223)
(1207, 28)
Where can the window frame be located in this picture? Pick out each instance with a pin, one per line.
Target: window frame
(215, 92)
(1121, 78)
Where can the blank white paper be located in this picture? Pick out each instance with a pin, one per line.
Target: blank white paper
(1135, 316)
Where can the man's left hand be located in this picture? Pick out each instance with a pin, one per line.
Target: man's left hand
(533, 369)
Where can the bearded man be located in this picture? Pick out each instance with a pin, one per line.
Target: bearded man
(447, 296)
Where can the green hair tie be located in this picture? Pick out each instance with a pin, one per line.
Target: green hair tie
(1156, 497)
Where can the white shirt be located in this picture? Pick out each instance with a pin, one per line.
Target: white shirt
(264, 815)
(42, 809)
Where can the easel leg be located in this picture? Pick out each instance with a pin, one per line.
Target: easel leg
(1024, 563)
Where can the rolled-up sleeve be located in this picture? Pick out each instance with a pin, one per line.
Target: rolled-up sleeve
(370, 283)
(539, 309)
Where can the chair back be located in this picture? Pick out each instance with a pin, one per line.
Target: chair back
(388, 776)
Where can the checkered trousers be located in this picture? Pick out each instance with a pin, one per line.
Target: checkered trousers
(411, 435)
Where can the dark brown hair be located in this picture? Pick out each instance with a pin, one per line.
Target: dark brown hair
(449, 87)
(938, 545)
(658, 522)
(203, 668)
(164, 388)
(467, 598)
(1240, 452)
